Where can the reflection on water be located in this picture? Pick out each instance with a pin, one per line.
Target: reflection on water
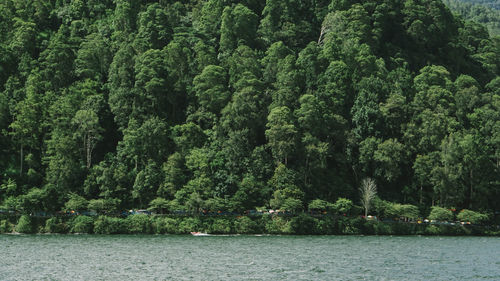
(170, 257)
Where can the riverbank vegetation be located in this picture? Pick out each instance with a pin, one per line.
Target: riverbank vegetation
(342, 217)
(232, 106)
(301, 224)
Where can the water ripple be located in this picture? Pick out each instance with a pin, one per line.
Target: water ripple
(170, 257)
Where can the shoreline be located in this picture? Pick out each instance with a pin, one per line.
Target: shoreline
(302, 224)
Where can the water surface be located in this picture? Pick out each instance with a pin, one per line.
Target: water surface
(181, 257)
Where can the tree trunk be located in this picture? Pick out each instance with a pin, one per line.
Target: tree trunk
(470, 196)
(22, 158)
(321, 33)
(89, 154)
(421, 194)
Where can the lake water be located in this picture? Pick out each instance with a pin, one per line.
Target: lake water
(172, 257)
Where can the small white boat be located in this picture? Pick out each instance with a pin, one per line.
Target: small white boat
(199, 234)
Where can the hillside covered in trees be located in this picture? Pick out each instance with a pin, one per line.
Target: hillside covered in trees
(233, 105)
(486, 12)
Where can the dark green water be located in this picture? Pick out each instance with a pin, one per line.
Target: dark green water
(127, 257)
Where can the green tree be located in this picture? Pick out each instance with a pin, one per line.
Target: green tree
(440, 214)
(76, 203)
(154, 30)
(210, 87)
(142, 142)
(281, 133)
(146, 183)
(121, 82)
(151, 88)
(26, 129)
(174, 171)
(239, 24)
(209, 20)
(471, 216)
(89, 130)
(93, 58)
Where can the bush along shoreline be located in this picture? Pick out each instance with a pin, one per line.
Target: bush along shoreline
(299, 224)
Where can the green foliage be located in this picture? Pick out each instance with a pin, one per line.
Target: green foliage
(245, 225)
(76, 203)
(277, 225)
(166, 225)
(303, 224)
(471, 216)
(343, 206)
(487, 14)
(82, 224)
(139, 224)
(292, 205)
(11, 203)
(440, 214)
(280, 133)
(221, 226)
(395, 210)
(5, 226)
(159, 205)
(189, 225)
(211, 88)
(55, 225)
(110, 225)
(349, 226)
(319, 204)
(102, 205)
(25, 225)
(233, 105)
(33, 201)
(433, 230)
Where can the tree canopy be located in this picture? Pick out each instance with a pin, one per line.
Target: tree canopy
(234, 105)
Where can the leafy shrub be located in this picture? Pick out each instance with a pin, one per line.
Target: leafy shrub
(343, 206)
(446, 230)
(277, 225)
(11, 203)
(166, 225)
(222, 226)
(189, 224)
(440, 214)
(403, 228)
(319, 204)
(326, 225)
(139, 224)
(245, 225)
(55, 225)
(5, 226)
(303, 224)
(76, 203)
(395, 210)
(292, 205)
(215, 204)
(369, 227)
(104, 206)
(108, 225)
(381, 228)
(471, 216)
(350, 226)
(24, 225)
(82, 224)
(433, 230)
(159, 205)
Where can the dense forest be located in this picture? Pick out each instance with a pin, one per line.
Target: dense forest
(485, 12)
(235, 105)
(494, 4)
